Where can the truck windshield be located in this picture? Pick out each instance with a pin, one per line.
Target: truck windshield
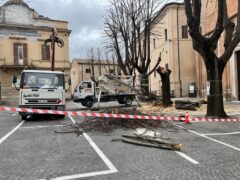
(42, 81)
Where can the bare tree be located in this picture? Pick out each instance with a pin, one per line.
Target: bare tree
(206, 47)
(128, 27)
(91, 59)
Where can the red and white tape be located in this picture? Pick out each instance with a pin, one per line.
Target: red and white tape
(121, 116)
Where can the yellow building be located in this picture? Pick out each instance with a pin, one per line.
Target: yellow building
(170, 38)
(22, 35)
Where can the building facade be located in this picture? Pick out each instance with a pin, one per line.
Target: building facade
(171, 39)
(22, 35)
(87, 69)
(231, 76)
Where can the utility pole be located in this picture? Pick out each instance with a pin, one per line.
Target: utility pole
(54, 39)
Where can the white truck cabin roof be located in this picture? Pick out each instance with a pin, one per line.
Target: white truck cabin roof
(42, 71)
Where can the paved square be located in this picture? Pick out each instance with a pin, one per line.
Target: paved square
(31, 150)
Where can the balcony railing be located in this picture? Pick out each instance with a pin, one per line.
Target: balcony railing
(29, 63)
(59, 64)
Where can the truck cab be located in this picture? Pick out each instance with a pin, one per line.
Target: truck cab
(85, 93)
(41, 90)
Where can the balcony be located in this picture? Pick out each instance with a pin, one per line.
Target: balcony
(34, 64)
(46, 64)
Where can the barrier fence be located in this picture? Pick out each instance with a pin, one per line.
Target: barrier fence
(186, 119)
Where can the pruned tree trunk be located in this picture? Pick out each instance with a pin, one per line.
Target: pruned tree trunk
(166, 91)
(215, 105)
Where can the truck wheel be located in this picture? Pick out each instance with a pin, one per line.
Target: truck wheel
(89, 103)
(83, 104)
(24, 117)
(60, 116)
(128, 101)
(121, 102)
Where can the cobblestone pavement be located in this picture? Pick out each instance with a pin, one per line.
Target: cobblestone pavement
(34, 151)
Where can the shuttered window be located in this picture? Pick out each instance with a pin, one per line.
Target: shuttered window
(185, 32)
(166, 34)
(45, 52)
(88, 71)
(20, 53)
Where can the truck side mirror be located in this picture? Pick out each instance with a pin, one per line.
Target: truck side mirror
(69, 82)
(14, 79)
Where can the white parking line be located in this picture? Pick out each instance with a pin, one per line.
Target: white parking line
(112, 168)
(187, 157)
(11, 132)
(36, 127)
(220, 142)
(221, 134)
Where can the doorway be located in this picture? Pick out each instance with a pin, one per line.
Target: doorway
(238, 73)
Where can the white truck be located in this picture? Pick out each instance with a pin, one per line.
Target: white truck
(41, 90)
(108, 88)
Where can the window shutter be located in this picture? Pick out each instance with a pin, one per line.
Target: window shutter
(25, 54)
(185, 32)
(45, 52)
(15, 53)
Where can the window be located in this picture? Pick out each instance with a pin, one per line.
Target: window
(85, 85)
(166, 35)
(42, 81)
(88, 71)
(155, 73)
(45, 52)
(20, 53)
(111, 71)
(185, 32)
(154, 43)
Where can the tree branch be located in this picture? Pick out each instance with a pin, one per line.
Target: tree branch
(232, 45)
(157, 64)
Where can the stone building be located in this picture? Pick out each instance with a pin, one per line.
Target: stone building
(22, 35)
(231, 76)
(171, 39)
(86, 69)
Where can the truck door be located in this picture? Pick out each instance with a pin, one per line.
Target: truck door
(86, 89)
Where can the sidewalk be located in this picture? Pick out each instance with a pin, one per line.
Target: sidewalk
(232, 109)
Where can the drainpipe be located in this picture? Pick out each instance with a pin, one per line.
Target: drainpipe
(178, 54)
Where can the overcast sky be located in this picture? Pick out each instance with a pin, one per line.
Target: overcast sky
(84, 17)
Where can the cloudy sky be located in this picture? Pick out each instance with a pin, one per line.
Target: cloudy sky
(84, 17)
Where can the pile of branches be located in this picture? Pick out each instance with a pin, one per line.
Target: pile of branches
(148, 141)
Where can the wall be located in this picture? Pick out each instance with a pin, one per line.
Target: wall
(20, 24)
(169, 51)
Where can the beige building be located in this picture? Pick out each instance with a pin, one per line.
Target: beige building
(231, 76)
(171, 39)
(22, 35)
(85, 69)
